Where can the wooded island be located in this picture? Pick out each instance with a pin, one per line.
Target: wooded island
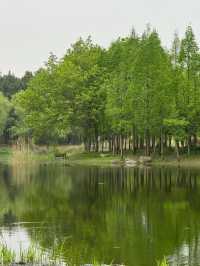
(134, 96)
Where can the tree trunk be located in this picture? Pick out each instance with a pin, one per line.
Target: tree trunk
(121, 146)
(133, 140)
(96, 140)
(102, 145)
(154, 144)
(188, 145)
(195, 141)
(129, 143)
(170, 141)
(125, 142)
(177, 151)
(147, 140)
(114, 145)
(161, 144)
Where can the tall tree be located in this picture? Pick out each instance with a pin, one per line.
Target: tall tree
(152, 77)
(189, 59)
(4, 112)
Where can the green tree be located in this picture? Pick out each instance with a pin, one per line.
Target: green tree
(189, 59)
(4, 112)
(151, 93)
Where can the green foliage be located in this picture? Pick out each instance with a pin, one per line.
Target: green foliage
(134, 92)
(177, 128)
(9, 84)
(151, 95)
(4, 112)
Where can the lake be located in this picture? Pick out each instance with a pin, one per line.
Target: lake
(131, 216)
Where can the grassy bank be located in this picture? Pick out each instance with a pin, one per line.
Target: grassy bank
(185, 161)
(10, 155)
(94, 159)
(110, 160)
(77, 156)
(5, 154)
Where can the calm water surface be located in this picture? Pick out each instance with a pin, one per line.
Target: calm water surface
(131, 216)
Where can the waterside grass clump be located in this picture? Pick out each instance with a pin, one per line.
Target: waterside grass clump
(33, 255)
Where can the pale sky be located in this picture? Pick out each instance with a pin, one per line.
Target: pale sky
(31, 29)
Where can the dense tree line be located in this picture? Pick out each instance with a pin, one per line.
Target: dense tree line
(136, 95)
(9, 86)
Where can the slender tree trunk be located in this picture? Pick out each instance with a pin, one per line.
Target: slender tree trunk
(147, 140)
(161, 144)
(121, 146)
(165, 140)
(154, 144)
(188, 145)
(170, 142)
(141, 141)
(129, 143)
(102, 145)
(195, 140)
(96, 139)
(109, 144)
(133, 140)
(125, 142)
(177, 150)
(136, 143)
(114, 145)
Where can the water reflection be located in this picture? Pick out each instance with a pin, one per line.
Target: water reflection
(125, 215)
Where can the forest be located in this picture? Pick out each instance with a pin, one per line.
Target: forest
(136, 95)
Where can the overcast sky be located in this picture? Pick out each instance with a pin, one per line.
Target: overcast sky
(31, 29)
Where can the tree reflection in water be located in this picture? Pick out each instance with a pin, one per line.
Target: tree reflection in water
(125, 215)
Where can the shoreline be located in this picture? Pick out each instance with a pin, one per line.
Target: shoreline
(9, 156)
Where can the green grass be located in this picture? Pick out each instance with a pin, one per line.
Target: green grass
(185, 161)
(33, 255)
(105, 159)
(94, 159)
(5, 153)
(6, 255)
(75, 156)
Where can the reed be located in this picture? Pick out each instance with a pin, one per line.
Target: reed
(7, 256)
(33, 255)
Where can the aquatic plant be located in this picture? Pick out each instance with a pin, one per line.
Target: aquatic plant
(33, 255)
(6, 255)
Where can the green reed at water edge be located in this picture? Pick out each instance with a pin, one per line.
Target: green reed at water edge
(30, 256)
(35, 256)
(6, 255)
